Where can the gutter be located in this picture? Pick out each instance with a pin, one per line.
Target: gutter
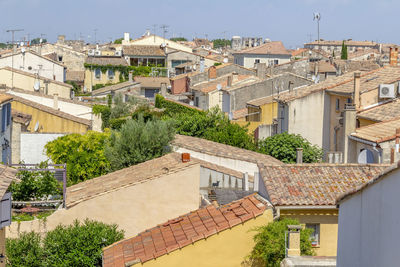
(366, 142)
(278, 209)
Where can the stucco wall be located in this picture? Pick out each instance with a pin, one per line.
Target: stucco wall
(135, 208)
(248, 60)
(30, 63)
(328, 221)
(227, 248)
(32, 146)
(157, 41)
(72, 59)
(91, 80)
(27, 82)
(368, 225)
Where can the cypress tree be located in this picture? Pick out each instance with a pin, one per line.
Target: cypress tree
(344, 51)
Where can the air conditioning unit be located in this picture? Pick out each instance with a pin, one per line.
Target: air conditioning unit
(386, 91)
(91, 52)
(118, 53)
(97, 53)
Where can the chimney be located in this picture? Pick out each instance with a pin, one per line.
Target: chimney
(394, 52)
(235, 77)
(245, 184)
(163, 90)
(293, 244)
(130, 75)
(356, 99)
(316, 68)
(212, 73)
(229, 81)
(55, 102)
(185, 157)
(349, 126)
(126, 37)
(299, 155)
(261, 70)
(256, 182)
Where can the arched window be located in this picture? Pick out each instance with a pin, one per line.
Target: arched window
(366, 156)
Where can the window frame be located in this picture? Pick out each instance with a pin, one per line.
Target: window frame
(108, 74)
(98, 77)
(317, 232)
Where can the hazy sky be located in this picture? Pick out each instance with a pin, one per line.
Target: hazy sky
(288, 20)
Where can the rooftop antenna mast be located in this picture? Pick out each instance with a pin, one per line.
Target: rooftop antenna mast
(95, 36)
(317, 17)
(13, 52)
(164, 28)
(154, 31)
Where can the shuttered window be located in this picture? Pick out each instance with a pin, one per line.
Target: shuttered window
(3, 118)
(8, 114)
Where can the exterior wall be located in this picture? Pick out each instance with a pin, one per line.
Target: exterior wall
(227, 248)
(299, 67)
(5, 137)
(338, 144)
(49, 123)
(15, 143)
(32, 147)
(306, 117)
(157, 40)
(72, 59)
(248, 60)
(328, 221)
(179, 86)
(25, 82)
(134, 209)
(30, 63)
(365, 122)
(368, 225)
(91, 80)
(215, 99)
(188, 57)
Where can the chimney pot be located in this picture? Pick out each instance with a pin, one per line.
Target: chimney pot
(130, 75)
(261, 70)
(185, 157)
(55, 102)
(357, 76)
(299, 155)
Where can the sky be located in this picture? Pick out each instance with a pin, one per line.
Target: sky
(290, 21)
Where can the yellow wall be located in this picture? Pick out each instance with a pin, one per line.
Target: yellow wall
(227, 248)
(328, 220)
(49, 123)
(90, 76)
(269, 112)
(26, 82)
(365, 122)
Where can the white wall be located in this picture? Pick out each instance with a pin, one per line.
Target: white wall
(248, 61)
(32, 146)
(30, 63)
(369, 225)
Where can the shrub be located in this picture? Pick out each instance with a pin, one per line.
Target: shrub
(269, 249)
(79, 244)
(138, 141)
(83, 153)
(284, 146)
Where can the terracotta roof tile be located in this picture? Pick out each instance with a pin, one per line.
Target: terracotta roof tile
(7, 176)
(314, 184)
(143, 50)
(182, 231)
(383, 112)
(221, 150)
(340, 42)
(116, 61)
(378, 132)
(271, 48)
(152, 82)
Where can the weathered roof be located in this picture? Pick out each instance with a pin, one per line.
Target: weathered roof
(20, 117)
(378, 132)
(363, 52)
(239, 113)
(151, 169)
(113, 87)
(5, 98)
(221, 150)
(271, 48)
(78, 75)
(143, 50)
(182, 231)
(116, 61)
(8, 174)
(340, 42)
(382, 112)
(372, 181)
(209, 86)
(151, 82)
(323, 67)
(298, 51)
(314, 184)
(261, 101)
(221, 169)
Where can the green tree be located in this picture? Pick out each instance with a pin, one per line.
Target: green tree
(344, 51)
(119, 40)
(83, 153)
(221, 43)
(138, 141)
(178, 39)
(269, 249)
(284, 147)
(79, 244)
(37, 41)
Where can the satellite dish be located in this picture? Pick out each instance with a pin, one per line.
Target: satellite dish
(36, 126)
(219, 87)
(317, 16)
(36, 86)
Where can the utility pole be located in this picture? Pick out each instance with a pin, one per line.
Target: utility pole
(164, 28)
(13, 52)
(95, 36)
(317, 17)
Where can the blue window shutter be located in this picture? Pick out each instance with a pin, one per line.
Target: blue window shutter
(3, 118)
(8, 114)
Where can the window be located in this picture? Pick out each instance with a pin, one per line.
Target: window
(5, 116)
(349, 101)
(276, 61)
(97, 73)
(337, 104)
(60, 58)
(196, 101)
(8, 114)
(110, 74)
(314, 237)
(256, 61)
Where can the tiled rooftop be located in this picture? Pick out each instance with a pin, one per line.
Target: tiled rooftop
(378, 132)
(116, 61)
(323, 67)
(221, 150)
(209, 86)
(7, 176)
(314, 184)
(182, 231)
(143, 50)
(340, 42)
(114, 87)
(150, 169)
(271, 48)
(383, 112)
(151, 82)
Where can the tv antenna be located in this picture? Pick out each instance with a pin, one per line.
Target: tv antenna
(13, 52)
(317, 17)
(95, 36)
(164, 29)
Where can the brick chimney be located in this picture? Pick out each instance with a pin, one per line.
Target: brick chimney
(212, 73)
(293, 245)
(356, 99)
(349, 126)
(394, 52)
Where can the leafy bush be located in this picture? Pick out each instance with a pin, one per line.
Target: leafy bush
(178, 39)
(35, 185)
(269, 249)
(173, 109)
(221, 43)
(74, 245)
(284, 146)
(138, 141)
(83, 153)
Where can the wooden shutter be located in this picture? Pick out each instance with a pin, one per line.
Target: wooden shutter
(5, 210)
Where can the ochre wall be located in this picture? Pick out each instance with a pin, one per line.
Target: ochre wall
(365, 122)
(328, 220)
(49, 123)
(227, 248)
(90, 76)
